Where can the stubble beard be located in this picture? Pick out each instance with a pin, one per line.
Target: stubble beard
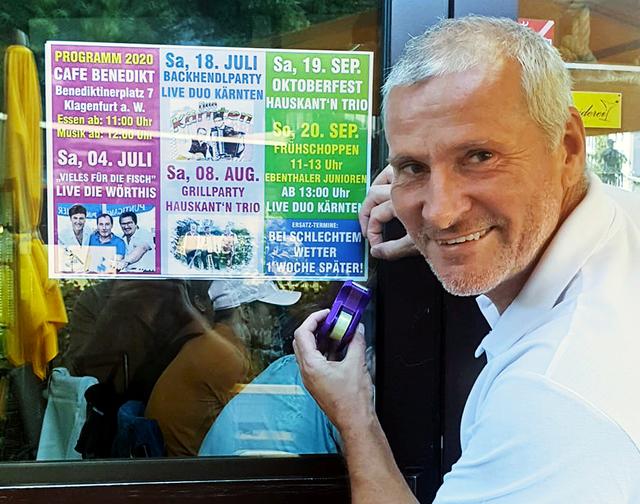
(508, 260)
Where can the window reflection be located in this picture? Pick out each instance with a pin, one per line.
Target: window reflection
(613, 154)
(599, 42)
(205, 373)
(166, 365)
(614, 160)
(590, 31)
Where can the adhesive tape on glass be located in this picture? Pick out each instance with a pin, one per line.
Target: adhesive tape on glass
(341, 326)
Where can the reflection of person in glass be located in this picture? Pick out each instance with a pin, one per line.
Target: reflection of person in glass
(611, 161)
(106, 249)
(252, 309)
(139, 254)
(199, 381)
(274, 413)
(142, 319)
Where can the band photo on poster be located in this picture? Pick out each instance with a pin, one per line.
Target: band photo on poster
(212, 132)
(206, 245)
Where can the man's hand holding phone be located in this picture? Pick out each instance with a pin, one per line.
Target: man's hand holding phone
(377, 209)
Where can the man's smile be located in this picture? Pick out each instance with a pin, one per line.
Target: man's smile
(465, 238)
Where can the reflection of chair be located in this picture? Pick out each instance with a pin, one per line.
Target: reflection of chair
(65, 415)
(27, 390)
(136, 435)
(66, 410)
(113, 428)
(103, 400)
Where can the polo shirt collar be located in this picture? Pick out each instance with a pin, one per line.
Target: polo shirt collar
(579, 235)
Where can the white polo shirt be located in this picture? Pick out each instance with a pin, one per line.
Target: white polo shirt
(554, 417)
(141, 238)
(67, 237)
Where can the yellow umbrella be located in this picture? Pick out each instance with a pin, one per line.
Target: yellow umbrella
(40, 308)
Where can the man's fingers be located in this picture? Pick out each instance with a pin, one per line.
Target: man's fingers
(355, 350)
(380, 215)
(394, 249)
(379, 192)
(376, 196)
(384, 177)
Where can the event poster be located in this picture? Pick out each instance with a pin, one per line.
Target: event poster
(178, 161)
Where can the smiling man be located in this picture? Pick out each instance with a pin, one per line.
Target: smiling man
(479, 186)
(487, 174)
(107, 249)
(140, 245)
(78, 236)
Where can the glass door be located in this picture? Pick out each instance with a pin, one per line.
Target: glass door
(599, 42)
(140, 336)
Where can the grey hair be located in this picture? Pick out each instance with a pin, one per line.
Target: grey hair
(457, 45)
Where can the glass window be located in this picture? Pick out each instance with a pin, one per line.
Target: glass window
(167, 367)
(599, 42)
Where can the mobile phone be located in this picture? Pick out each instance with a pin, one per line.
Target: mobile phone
(337, 330)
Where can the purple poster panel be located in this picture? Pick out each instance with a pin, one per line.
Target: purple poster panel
(104, 159)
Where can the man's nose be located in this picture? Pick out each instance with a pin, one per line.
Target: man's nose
(446, 199)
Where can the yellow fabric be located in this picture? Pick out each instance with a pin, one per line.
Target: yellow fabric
(40, 308)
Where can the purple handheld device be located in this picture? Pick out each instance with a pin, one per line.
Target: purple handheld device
(338, 329)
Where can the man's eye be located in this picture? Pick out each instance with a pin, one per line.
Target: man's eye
(480, 156)
(411, 169)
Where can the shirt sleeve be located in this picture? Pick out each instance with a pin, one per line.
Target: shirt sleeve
(148, 240)
(63, 237)
(121, 247)
(532, 440)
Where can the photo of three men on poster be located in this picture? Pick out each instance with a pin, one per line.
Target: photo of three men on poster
(87, 248)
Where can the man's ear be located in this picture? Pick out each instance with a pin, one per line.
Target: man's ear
(203, 305)
(244, 312)
(573, 149)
